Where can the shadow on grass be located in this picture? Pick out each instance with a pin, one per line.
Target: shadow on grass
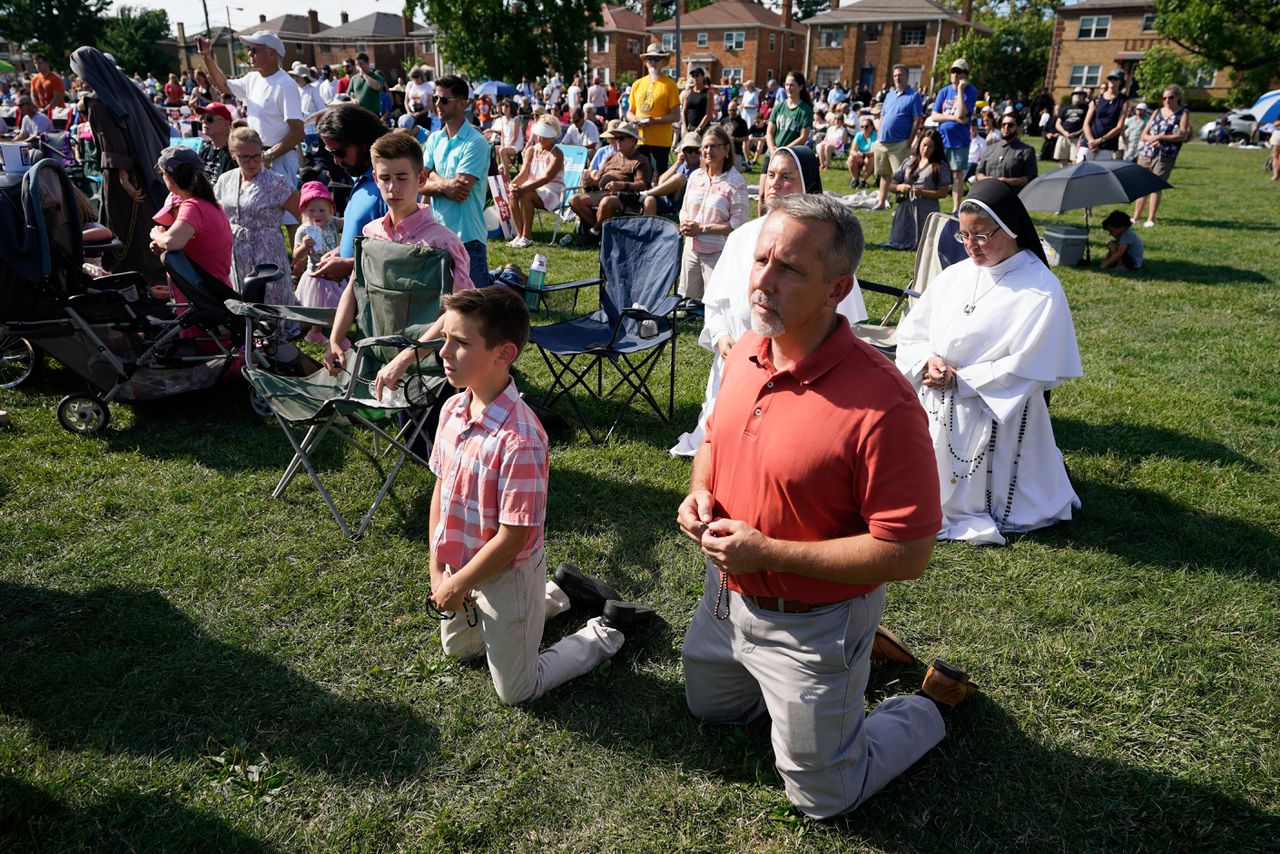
(989, 786)
(1214, 224)
(1136, 442)
(123, 671)
(1192, 273)
(32, 819)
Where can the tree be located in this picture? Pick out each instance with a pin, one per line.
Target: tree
(131, 37)
(55, 26)
(1009, 61)
(1160, 68)
(508, 39)
(805, 9)
(1242, 34)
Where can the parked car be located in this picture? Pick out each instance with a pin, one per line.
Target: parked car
(1241, 126)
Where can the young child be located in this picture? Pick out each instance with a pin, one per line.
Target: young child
(398, 173)
(319, 233)
(488, 570)
(1125, 250)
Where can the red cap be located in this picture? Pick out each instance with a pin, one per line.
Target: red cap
(216, 110)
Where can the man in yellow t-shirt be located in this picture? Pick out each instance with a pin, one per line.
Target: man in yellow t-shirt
(655, 107)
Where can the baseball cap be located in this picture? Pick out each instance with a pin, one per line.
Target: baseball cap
(314, 190)
(961, 65)
(265, 38)
(177, 155)
(219, 110)
(1079, 90)
(1116, 74)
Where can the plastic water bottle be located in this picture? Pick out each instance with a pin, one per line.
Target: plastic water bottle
(537, 281)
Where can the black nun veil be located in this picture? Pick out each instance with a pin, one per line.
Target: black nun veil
(1001, 204)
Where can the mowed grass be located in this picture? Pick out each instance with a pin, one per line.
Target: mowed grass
(186, 664)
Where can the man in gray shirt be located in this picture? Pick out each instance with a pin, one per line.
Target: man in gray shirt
(1009, 159)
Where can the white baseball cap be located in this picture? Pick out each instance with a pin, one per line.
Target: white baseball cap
(265, 38)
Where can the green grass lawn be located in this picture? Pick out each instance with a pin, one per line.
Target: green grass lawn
(186, 664)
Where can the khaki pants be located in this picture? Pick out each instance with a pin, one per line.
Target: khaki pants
(509, 612)
(695, 271)
(809, 671)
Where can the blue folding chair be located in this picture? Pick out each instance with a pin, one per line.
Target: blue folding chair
(639, 260)
(575, 164)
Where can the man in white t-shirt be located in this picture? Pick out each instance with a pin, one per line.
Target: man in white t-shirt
(326, 85)
(312, 103)
(582, 132)
(597, 95)
(272, 100)
(33, 122)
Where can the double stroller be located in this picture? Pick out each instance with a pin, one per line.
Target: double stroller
(126, 344)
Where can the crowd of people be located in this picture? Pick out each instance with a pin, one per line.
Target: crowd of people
(800, 528)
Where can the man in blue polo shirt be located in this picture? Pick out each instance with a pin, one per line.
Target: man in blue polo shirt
(900, 121)
(953, 111)
(348, 131)
(457, 161)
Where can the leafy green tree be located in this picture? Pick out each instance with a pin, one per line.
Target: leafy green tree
(1010, 60)
(808, 8)
(1160, 67)
(505, 39)
(54, 26)
(131, 37)
(1242, 34)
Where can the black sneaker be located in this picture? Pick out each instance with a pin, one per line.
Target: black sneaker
(583, 590)
(626, 617)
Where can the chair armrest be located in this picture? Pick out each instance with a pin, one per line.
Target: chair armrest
(301, 314)
(399, 341)
(887, 289)
(664, 307)
(568, 286)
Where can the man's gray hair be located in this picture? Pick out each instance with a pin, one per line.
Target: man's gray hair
(905, 68)
(843, 254)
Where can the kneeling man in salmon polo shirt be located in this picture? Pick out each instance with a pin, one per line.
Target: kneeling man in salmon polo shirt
(816, 485)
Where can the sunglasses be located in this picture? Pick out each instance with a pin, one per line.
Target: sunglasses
(442, 99)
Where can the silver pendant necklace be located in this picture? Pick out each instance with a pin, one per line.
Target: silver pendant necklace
(973, 300)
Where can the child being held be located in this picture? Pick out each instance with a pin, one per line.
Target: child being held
(488, 569)
(1125, 249)
(319, 233)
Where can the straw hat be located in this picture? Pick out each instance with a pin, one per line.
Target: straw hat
(655, 50)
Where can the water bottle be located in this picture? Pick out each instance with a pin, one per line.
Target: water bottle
(537, 281)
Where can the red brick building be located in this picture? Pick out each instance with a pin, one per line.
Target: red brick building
(388, 39)
(859, 43)
(616, 46)
(739, 39)
(295, 31)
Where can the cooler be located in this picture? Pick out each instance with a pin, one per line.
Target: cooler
(1066, 244)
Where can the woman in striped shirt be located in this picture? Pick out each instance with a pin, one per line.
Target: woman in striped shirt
(715, 203)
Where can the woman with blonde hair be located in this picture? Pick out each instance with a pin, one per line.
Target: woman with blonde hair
(715, 203)
(540, 183)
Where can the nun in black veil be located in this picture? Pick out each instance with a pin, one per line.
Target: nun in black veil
(988, 338)
(129, 132)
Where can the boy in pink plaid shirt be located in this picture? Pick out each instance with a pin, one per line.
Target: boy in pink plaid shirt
(488, 570)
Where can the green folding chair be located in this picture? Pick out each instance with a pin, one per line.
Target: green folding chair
(398, 290)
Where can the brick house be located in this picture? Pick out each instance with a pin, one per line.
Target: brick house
(616, 44)
(389, 40)
(860, 42)
(294, 31)
(1094, 36)
(739, 39)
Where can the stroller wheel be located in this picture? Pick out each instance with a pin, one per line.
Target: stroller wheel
(257, 404)
(19, 361)
(83, 414)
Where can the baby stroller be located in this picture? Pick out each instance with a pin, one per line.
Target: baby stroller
(126, 344)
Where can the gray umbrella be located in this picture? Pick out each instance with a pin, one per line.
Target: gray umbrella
(1094, 182)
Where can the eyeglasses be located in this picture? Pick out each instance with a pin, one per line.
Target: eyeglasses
(1168, 97)
(248, 158)
(975, 239)
(1008, 125)
(443, 99)
(959, 71)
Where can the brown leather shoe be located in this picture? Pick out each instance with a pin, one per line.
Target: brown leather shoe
(946, 685)
(888, 647)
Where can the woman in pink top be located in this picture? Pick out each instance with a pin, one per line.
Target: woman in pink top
(715, 203)
(540, 183)
(192, 220)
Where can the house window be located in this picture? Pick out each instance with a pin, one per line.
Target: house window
(773, 42)
(702, 39)
(600, 44)
(603, 74)
(1095, 27)
(830, 36)
(361, 47)
(914, 76)
(734, 74)
(1148, 22)
(297, 46)
(1202, 78)
(870, 33)
(826, 76)
(735, 40)
(791, 43)
(912, 35)
(668, 42)
(1085, 75)
(633, 46)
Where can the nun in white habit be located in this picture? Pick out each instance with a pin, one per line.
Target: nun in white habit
(989, 337)
(728, 309)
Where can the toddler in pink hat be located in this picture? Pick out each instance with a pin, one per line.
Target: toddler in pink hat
(320, 232)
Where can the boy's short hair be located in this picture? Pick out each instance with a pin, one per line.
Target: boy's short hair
(499, 312)
(397, 145)
(1117, 219)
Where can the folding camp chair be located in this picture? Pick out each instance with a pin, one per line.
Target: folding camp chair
(639, 259)
(936, 251)
(575, 164)
(398, 290)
